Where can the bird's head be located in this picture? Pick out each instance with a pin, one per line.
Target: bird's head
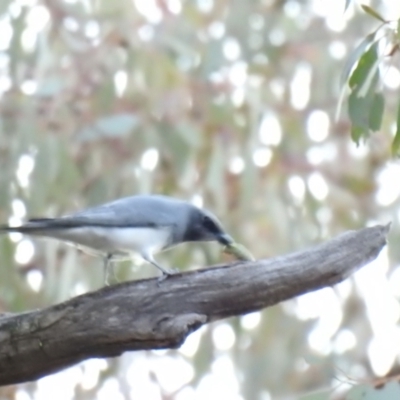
(204, 226)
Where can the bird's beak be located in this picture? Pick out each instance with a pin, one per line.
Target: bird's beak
(225, 239)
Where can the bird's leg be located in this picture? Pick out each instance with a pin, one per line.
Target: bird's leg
(165, 271)
(107, 265)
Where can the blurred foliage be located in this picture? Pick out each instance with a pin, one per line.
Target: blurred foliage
(230, 102)
(377, 51)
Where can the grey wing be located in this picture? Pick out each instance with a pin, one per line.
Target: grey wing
(135, 211)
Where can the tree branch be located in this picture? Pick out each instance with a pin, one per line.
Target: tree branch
(144, 315)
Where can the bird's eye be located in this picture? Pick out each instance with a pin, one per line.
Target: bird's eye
(209, 224)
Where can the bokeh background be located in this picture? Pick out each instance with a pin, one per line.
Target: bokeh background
(227, 103)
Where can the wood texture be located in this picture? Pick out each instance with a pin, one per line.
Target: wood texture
(143, 314)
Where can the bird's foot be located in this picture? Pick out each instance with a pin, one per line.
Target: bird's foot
(166, 273)
(113, 281)
(107, 267)
(110, 278)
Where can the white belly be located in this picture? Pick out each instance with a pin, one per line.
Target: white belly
(116, 240)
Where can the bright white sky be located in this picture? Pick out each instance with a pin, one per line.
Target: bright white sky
(173, 371)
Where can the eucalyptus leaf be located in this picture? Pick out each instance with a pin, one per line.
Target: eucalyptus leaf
(354, 57)
(358, 108)
(396, 140)
(369, 10)
(239, 251)
(365, 64)
(358, 132)
(370, 80)
(363, 97)
(376, 112)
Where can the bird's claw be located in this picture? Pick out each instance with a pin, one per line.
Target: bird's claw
(166, 274)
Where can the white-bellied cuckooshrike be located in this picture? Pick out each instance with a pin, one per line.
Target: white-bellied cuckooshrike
(143, 224)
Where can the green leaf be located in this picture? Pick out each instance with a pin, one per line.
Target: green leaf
(365, 114)
(239, 251)
(372, 12)
(371, 80)
(365, 65)
(376, 112)
(396, 140)
(358, 113)
(363, 97)
(357, 133)
(358, 110)
(354, 57)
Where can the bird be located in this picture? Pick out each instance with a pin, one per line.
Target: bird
(141, 224)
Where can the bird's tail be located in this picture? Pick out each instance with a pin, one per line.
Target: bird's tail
(33, 226)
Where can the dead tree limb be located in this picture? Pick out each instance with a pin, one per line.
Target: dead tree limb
(141, 314)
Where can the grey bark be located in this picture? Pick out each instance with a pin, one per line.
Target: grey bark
(140, 315)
